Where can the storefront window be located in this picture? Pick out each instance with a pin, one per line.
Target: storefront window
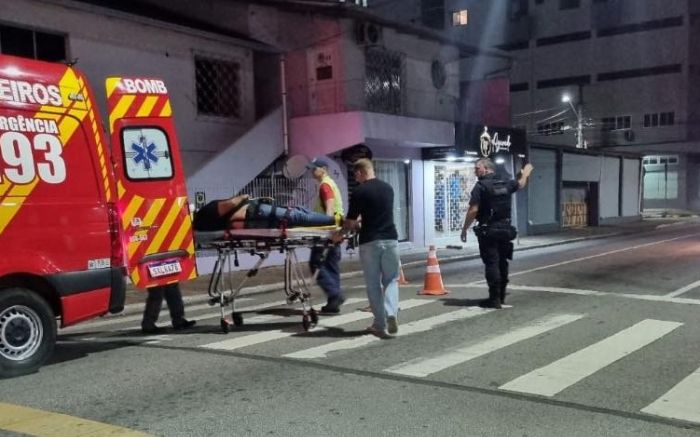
(395, 173)
(453, 183)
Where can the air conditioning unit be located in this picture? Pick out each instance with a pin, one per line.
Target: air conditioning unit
(367, 34)
(629, 135)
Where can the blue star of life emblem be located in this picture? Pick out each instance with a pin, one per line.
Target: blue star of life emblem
(144, 152)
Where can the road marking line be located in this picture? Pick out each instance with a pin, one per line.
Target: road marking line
(649, 297)
(639, 246)
(681, 402)
(30, 421)
(262, 337)
(684, 289)
(405, 329)
(422, 367)
(555, 377)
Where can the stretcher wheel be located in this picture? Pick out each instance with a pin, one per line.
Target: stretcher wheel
(224, 326)
(305, 322)
(314, 316)
(237, 319)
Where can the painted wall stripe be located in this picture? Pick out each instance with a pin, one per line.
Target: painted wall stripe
(422, 367)
(681, 402)
(557, 376)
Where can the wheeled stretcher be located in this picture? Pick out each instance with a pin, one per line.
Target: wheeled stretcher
(260, 243)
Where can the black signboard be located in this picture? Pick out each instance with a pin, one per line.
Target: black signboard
(479, 142)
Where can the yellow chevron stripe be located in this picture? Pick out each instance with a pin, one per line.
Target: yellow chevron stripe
(135, 277)
(4, 186)
(111, 84)
(120, 109)
(147, 106)
(24, 190)
(193, 275)
(164, 229)
(148, 220)
(185, 228)
(120, 189)
(167, 111)
(131, 211)
(67, 127)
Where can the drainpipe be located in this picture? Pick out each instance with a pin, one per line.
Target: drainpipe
(283, 90)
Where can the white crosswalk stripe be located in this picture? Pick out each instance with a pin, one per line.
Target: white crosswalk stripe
(681, 402)
(557, 376)
(408, 328)
(265, 336)
(422, 367)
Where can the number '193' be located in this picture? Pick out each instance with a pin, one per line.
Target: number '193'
(18, 164)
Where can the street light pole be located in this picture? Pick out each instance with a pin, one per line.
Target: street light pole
(579, 119)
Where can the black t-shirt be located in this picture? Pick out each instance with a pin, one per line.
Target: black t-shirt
(374, 201)
(479, 193)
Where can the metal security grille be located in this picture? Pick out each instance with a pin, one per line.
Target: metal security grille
(287, 192)
(218, 87)
(384, 81)
(453, 185)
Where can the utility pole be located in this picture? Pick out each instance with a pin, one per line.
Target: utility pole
(578, 111)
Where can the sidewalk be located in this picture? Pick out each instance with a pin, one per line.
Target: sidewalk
(270, 278)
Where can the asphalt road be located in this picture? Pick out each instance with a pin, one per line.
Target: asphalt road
(600, 339)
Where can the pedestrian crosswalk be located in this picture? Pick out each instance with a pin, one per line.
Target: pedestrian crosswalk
(571, 354)
(679, 402)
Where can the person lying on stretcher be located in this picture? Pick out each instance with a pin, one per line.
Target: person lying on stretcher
(243, 211)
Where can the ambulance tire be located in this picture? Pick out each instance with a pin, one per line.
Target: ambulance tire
(27, 332)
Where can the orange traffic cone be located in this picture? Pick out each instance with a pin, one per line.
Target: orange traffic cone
(433, 279)
(402, 278)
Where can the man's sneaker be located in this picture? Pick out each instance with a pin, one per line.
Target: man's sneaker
(151, 330)
(392, 324)
(379, 333)
(184, 324)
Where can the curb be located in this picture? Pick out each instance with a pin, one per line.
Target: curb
(260, 289)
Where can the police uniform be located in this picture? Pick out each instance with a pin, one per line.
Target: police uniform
(495, 233)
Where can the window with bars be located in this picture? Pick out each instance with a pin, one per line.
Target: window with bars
(660, 119)
(384, 81)
(218, 87)
(32, 44)
(555, 128)
(620, 122)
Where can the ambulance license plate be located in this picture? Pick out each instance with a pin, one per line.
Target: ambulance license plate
(165, 269)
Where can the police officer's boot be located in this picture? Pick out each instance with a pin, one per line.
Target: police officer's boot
(494, 300)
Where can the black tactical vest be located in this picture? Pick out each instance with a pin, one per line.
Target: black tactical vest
(495, 205)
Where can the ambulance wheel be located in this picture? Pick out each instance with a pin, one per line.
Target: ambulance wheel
(27, 331)
(314, 316)
(305, 322)
(224, 326)
(237, 319)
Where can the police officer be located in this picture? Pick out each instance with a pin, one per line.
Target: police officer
(490, 204)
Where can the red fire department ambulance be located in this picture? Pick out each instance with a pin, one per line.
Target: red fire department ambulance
(77, 215)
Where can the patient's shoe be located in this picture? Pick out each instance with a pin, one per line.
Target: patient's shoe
(333, 305)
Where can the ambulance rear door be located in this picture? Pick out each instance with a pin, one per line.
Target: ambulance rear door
(153, 206)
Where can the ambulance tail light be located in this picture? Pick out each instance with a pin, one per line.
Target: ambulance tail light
(117, 259)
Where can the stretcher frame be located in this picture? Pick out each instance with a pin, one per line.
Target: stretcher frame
(260, 243)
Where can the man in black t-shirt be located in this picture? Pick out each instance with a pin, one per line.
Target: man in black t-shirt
(489, 203)
(372, 203)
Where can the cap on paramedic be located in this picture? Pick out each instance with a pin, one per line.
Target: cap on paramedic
(316, 163)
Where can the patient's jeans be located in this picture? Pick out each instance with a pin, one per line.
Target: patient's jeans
(265, 215)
